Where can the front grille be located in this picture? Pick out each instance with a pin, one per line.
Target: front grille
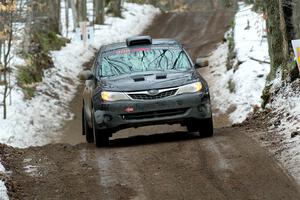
(143, 96)
(154, 114)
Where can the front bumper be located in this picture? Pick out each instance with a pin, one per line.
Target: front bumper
(135, 113)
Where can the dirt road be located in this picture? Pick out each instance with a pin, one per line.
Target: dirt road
(174, 165)
(199, 31)
(160, 162)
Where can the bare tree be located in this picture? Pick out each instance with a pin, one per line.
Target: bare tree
(7, 11)
(28, 25)
(67, 16)
(74, 14)
(99, 14)
(171, 4)
(46, 15)
(81, 10)
(115, 6)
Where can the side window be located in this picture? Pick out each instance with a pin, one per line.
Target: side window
(96, 63)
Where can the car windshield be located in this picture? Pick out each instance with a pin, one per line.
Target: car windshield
(129, 61)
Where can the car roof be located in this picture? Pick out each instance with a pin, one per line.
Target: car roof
(155, 42)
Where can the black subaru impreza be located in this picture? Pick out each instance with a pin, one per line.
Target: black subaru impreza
(143, 81)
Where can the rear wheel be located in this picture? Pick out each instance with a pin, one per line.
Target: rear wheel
(87, 130)
(101, 137)
(207, 128)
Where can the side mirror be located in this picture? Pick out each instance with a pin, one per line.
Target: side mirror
(86, 75)
(201, 62)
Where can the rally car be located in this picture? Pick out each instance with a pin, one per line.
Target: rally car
(143, 81)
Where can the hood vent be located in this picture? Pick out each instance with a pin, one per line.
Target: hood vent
(138, 78)
(161, 76)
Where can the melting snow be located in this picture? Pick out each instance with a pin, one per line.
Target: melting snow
(239, 89)
(286, 122)
(3, 190)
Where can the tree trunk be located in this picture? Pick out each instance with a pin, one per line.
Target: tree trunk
(171, 4)
(6, 60)
(285, 46)
(274, 36)
(28, 28)
(116, 8)
(0, 57)
(46, 15)
(5, 95)
(54, 16)
(67, 16)
(99, 6)
(81, 10)
(74, 14)
(296, 18)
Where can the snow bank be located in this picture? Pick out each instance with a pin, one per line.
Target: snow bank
(35, 122)
(239, 89)
(285, 123)
(3, 190)
(249, 79)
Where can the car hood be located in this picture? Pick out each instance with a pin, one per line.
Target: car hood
(149, 81)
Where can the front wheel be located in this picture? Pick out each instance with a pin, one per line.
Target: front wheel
(207, 128)
(101, 137)
(192, 127)
(87, 130)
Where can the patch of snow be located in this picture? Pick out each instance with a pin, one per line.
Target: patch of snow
(3, 190)
(2, 169)
(35, 122)
(31, 170)
(250, 79)
(285, 121)
(239, 89)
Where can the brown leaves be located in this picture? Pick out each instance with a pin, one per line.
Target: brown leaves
(4, 33)
(8, 7)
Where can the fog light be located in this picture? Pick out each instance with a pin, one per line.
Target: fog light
(107, 118)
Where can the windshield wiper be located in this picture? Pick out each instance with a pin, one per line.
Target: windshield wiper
(160, 56)
(115, 66)
(120, 62)
(175, 63)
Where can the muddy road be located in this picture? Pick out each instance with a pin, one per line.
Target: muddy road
(199, 30)
(175, 165)
(156, 162)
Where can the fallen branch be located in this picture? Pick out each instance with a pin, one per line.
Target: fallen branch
(260, 61)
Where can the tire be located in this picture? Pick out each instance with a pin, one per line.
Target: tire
(101, 137)
(207, 128)
(86, 129)
(191, 127)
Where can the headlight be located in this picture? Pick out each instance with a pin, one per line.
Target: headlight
(113, 96)
(190, 88)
